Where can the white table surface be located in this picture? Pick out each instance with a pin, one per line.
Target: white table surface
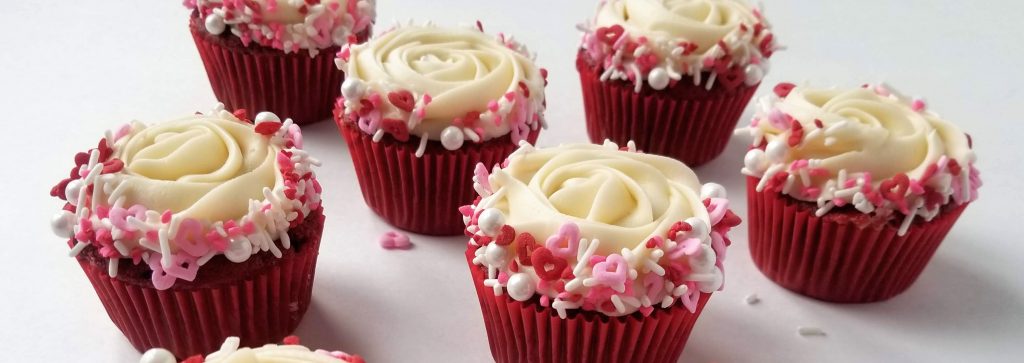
(69, 72)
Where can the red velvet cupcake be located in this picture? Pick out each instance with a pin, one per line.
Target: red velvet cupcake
(588, 253)
(197, 229)
(277, 55)
(672, 76)
(851, 191)
(422, 106)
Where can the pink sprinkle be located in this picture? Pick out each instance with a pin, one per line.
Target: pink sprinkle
(917, 105)
(510, 96)
(166, 217)
(850, 183)
(427, 99)
(393, 240)
(812, 192)
(493, 106)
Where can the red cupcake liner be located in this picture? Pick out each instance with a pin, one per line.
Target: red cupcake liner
(683, 121)
(258, 78)
(842, 256)
(528, 332)
(421, 194)
(190, 318)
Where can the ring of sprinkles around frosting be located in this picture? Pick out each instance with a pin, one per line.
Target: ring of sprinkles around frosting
(598, 228)
(232, 352)
(450, 85)
(657, 42)
(288, 25)
(176, 194)
(870, 148)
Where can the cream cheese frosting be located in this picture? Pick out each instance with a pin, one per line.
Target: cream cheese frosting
(657, 42)
(624, 223)
(178, 193)
(448, 85)
(232, 352)
(288, 25)
(869, 147)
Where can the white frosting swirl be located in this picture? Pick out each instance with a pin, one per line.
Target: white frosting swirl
(231, 352)
(202, 166)
(703, 22)
(620, 198)
(462, 71)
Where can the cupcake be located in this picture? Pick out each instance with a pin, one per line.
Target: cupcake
(233, 352)
(587, 253)
(277, 55)
(672, 75)
(422, 105)
(851, 191)
(196, 229)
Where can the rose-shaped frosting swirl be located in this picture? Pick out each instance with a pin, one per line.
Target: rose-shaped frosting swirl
(621, 198)
(201, 167)
(440, 81)
(232, 352)
(702, 22)
(659, 41)
(288, 25)
(598, 228)
(860, 146)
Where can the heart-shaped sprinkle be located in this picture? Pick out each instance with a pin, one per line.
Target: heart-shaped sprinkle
(506, 236)
(732, 78)
(402, 100)
(612, 272)
(526, 245)
(610, 35)
(895, 189)
(393, 240)
(547, 266)
(782, 89)
(396, 128)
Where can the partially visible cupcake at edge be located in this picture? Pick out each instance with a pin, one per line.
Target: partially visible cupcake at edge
(196, 229)
(422, 105)
(851, 191)
(277, 55)
(232, 351)
(672, 75)
(583, 253)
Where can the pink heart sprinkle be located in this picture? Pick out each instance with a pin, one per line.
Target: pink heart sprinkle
(393, 240)
(612, 272)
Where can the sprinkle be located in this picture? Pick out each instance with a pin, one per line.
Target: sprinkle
(809, 331)
(752, 299)
(393, 240)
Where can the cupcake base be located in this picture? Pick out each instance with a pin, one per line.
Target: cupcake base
(684, 121)
(842, 256)
(258, 78)
(421, 194)
(261, 300)
(528, 332)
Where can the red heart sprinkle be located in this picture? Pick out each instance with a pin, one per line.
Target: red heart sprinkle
(112, 166)
(895, 189)
(396, 128)
(796, 134)
(402, 100)
(782, 89)
(268, 128)
(610, 35)
(506, 236)
(81, 159)
(546, 265)
(526, 245)
(732, 78)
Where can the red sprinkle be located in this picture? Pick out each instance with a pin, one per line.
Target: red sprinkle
(291, 340)
(194, 359)
(403, 100)
(783, 89)
(542, 259)
(526, 245)
(396, 128)
(505, 236)
(526, 90)
(610, 35)
(819, 124)
(268, 128)
(954, 167)
(796, 135)
(241, 114)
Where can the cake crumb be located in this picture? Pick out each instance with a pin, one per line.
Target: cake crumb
(810, 331)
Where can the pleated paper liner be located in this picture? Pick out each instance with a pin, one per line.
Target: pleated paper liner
(528, 332)
(842, 256)
(683, 121)
(420, 194)
(258, 78)
(261, 300)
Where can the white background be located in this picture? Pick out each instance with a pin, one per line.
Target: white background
(69, 72)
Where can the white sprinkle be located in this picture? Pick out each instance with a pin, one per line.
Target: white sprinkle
(112, 267)
(79, 246)
(423, 145)
(752, 299)
(810, 331)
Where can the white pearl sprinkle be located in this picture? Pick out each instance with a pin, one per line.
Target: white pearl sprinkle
(215, 24)
(520, 287)
(73, 189)
(490, 221)
(239, 250)
(776, 151)
(658, 78)
(754, 74)
(63, 224)
(452, 138)
(158, 355)
(712, 190)
(496, 255)
(266, 116)
(352, 88)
